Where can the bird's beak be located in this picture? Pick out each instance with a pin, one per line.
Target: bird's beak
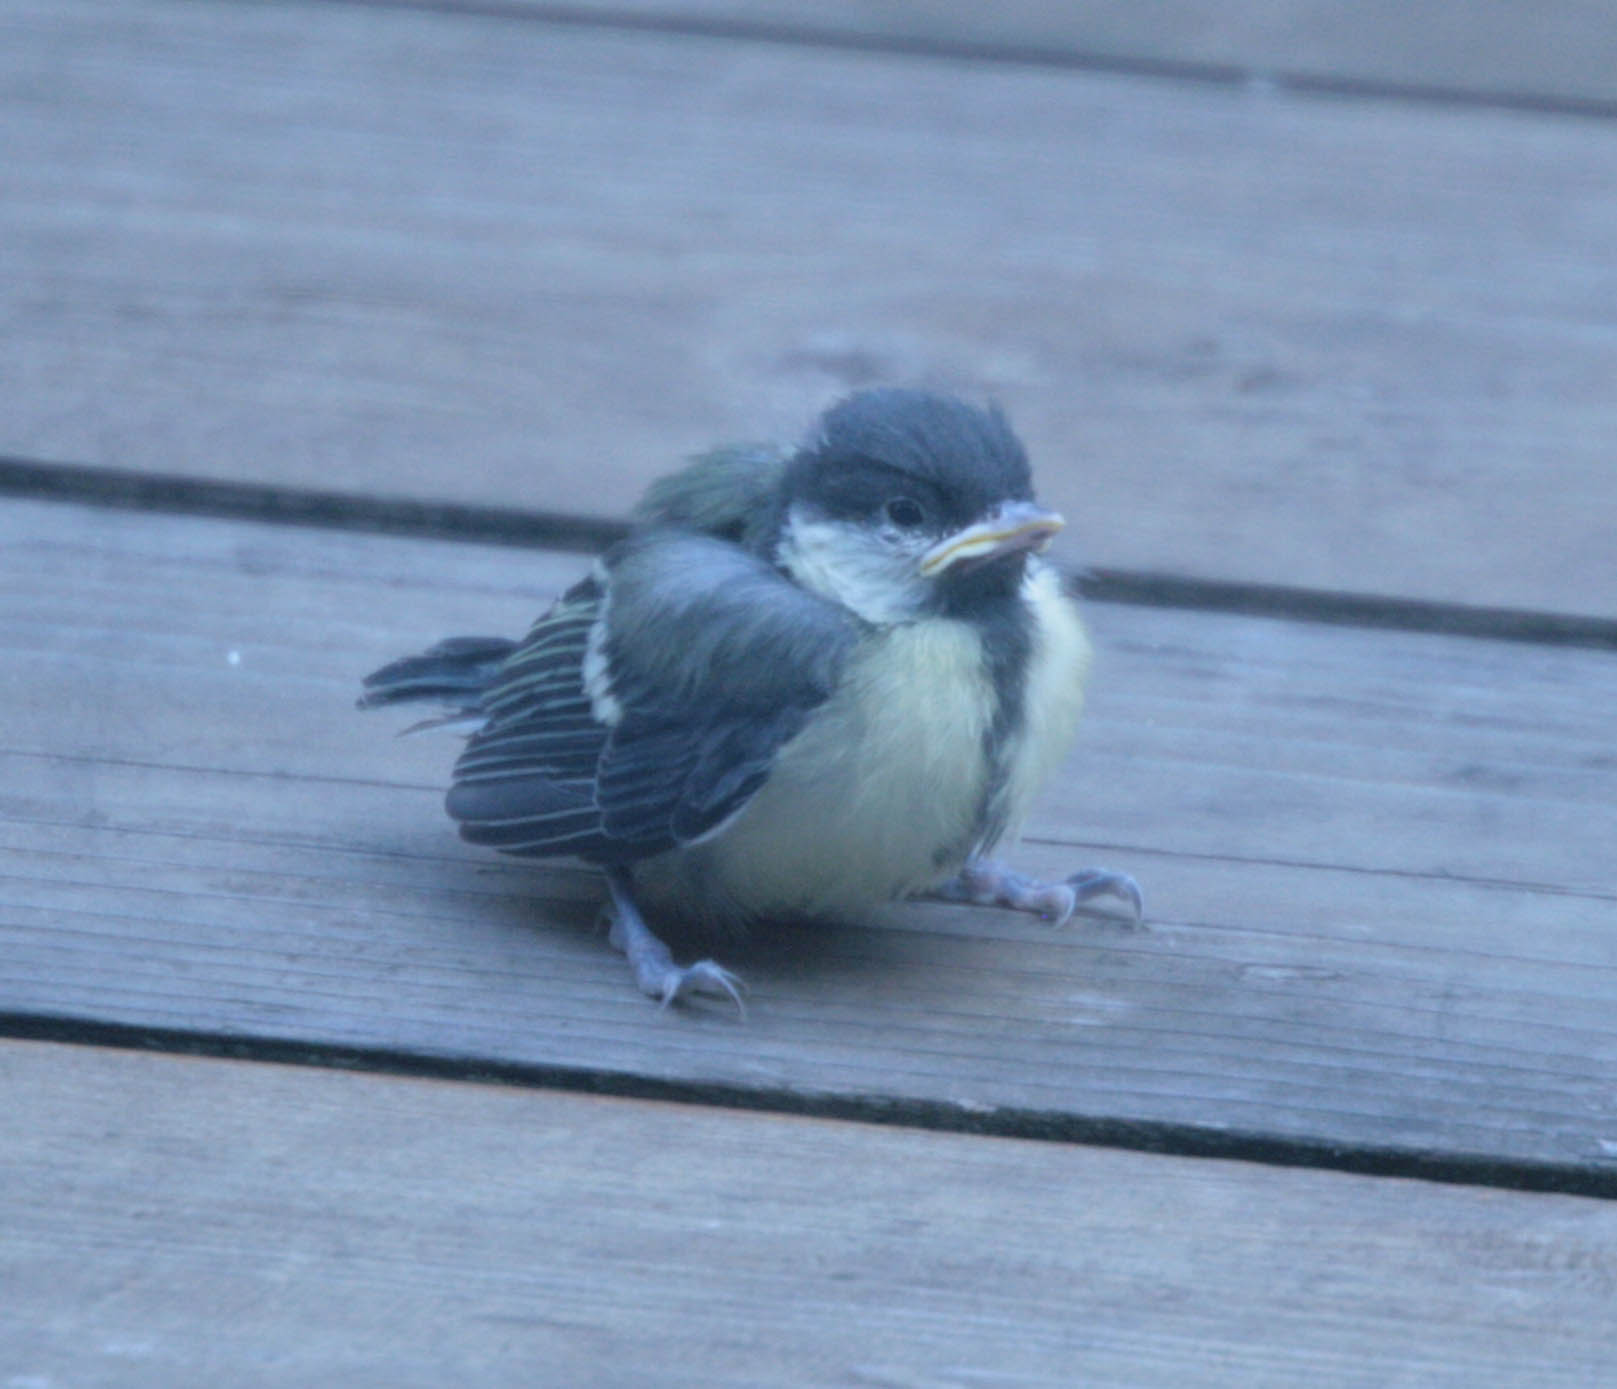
(1010, 527)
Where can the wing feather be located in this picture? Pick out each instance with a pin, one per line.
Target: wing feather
(696, 719)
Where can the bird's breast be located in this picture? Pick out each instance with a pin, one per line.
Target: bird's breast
(1052, 695)
(881, 794)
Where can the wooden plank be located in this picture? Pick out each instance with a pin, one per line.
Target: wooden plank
(173, 1220)
(1565, 51)
(1320, 343)
(1207, 734)
(1378, 867)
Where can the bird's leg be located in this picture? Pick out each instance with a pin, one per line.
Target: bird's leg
(654, 969)
(988, 883)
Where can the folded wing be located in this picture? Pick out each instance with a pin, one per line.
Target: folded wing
(648, 705)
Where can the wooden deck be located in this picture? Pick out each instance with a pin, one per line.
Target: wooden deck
(327, 329)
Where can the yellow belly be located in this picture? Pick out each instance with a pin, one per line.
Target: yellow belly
(883, 793)
(886, 781)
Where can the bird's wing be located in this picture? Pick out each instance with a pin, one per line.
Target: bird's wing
(647, 707)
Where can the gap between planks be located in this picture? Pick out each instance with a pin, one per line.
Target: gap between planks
(438, 519)
(896, 39)
(1180, 1140)
(1249, 311)
(189, 1221)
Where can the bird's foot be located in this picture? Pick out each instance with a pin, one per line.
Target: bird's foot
(988, 883)
(655, 972)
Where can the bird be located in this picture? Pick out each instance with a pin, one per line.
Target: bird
(808, 681)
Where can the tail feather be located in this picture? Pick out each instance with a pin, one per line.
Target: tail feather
(456, 672)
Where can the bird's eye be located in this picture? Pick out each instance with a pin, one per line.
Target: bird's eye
(905, 512)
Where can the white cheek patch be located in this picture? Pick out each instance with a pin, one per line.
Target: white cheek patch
(853, 565)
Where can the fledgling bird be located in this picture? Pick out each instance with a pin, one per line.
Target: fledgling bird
(807, 683)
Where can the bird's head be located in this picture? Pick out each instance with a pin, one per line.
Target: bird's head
(905, 503)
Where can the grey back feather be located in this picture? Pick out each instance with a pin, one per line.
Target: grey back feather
(731, 492)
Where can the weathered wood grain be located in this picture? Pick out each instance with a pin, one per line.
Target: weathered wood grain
(1378, 867)
(174, 1220)
(1559, 53)
(1321, 343)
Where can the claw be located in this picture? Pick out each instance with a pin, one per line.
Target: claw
(655, 973)
(705, 976)
(1089, 883)
(990, 884)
